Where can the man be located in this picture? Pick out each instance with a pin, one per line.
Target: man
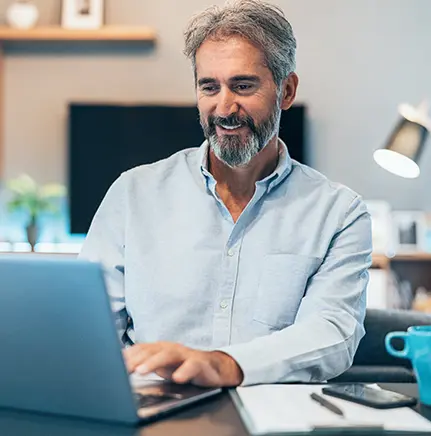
(231, 263)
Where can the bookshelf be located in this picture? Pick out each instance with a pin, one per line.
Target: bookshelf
(414, 268)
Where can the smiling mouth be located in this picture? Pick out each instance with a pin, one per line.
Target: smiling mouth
(230, 127)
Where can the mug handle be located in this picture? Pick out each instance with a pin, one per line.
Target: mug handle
(404, 353)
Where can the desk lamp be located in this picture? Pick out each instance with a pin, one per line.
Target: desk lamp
(406, 142)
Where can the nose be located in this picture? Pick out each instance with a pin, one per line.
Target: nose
(226, 104)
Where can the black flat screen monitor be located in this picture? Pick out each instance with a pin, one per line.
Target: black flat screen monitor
(105, 140)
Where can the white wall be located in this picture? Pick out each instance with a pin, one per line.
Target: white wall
(357, 60)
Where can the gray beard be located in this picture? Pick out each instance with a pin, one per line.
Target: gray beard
(230, 149)
(235, 153)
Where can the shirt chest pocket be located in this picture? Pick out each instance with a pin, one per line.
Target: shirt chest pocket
(282, 285)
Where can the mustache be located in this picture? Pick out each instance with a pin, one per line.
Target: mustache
(230, 121)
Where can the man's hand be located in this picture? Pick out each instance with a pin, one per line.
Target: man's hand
(184, 365)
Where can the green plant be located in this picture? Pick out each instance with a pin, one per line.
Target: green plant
(28, 196)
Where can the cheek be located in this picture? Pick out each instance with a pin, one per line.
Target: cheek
(260, 108)
(204, 113)
(257, 112)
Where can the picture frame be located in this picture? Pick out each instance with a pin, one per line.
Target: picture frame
(82, 14)
(410, 231)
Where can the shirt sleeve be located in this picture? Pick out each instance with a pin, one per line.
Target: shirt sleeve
(329, 324)
(105, 244)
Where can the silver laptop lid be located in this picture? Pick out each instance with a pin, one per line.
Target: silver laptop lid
(60, 350)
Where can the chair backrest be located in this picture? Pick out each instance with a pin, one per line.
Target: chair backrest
(378, 323)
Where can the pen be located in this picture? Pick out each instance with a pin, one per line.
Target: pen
(327, 404)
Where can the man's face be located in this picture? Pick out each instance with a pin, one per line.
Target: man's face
(237, 98)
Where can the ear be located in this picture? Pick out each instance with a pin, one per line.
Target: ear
(289, 87)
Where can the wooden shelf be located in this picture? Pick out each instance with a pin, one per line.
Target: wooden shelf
(56, 33)
(114, 34)
(382, 261)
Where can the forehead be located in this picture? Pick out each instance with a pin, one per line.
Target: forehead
(230, 56)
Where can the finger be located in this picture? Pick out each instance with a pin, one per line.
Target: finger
(162, 359)
(139, 355)
(135, 349)
(130, 352)
(198, 372)
(187, 371)
(167, 372)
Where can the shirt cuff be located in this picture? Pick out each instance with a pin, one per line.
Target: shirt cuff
(247, 358)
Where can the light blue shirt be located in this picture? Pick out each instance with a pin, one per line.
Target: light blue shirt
(282, 290)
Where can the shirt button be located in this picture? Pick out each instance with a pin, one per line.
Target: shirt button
(224, 304)
(230, 252)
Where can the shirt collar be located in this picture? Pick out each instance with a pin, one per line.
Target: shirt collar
(281, 171)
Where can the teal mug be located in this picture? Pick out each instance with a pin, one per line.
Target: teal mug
(417, 348)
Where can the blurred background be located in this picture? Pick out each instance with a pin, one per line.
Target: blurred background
(90, 88)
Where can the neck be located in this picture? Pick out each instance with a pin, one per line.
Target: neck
(238, 184)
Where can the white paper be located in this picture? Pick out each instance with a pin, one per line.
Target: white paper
(289, 408)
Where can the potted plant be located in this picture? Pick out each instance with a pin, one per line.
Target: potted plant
(28, 197)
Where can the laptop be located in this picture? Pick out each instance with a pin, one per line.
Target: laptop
(60, 351)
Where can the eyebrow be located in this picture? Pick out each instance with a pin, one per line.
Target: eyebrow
(238, 78)
(206, 80)
(245, 77)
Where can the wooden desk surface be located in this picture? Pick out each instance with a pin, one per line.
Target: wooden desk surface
(214, 417)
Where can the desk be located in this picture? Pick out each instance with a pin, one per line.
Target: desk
(214, 417)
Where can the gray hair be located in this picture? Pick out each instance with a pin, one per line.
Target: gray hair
(263, 24)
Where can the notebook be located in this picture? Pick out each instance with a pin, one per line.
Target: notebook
(288, 409)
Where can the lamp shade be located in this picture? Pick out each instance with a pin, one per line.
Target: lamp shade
(406, 143)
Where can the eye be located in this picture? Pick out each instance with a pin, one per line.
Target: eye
(244, 88)
(209, 89)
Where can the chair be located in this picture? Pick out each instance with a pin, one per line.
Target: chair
(372, 363)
